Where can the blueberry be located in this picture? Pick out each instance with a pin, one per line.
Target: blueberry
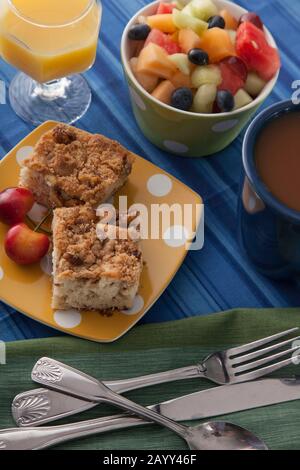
(182, 98)
(139, 32)
(198, 57)
(225, 101)
(216, 22)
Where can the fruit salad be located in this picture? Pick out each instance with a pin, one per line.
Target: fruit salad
(193, 57)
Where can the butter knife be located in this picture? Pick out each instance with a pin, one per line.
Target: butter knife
(41, 406)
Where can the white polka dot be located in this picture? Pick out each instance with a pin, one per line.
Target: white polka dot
(67, 318)
(224, 126)
(23, 153)
(159, 185)
(1, 274)
(138, 304)
(176, 236)
(37, 213)
(175, 147)
(137, 99)
(46, 265)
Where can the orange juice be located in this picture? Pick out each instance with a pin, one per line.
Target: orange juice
(49, 39)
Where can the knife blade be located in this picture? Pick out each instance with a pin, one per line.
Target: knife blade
(42, 406)
(228, 399)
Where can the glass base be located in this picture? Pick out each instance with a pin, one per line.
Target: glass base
(65, 100)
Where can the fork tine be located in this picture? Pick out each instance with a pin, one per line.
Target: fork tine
(262, 352)
(266, 360)
(256, 344)
(256, 374)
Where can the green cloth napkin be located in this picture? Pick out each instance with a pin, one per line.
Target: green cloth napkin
(153, 348)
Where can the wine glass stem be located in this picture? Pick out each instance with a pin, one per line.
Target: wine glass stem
(51, 90)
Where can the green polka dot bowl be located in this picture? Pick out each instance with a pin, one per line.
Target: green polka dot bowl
(179, 132)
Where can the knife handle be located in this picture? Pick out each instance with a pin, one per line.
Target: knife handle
(42, 438)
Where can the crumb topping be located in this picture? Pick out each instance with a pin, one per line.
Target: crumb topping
(82, 255)
(79, 167)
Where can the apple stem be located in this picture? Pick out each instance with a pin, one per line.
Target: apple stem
(43, 220)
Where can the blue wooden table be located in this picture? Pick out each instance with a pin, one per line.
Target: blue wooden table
(218, 277)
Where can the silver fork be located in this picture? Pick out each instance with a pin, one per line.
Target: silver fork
(235, 365)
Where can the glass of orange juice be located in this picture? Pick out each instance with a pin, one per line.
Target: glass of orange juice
(51, 42)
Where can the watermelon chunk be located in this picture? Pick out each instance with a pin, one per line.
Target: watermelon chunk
(165, 8)
(163, 40)
(252, 46)
(234, 74)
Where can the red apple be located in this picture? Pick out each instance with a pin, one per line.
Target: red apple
(15, 203)
(24, 246)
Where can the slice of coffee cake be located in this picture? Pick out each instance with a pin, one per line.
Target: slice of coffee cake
(93, 273)
(71, 167)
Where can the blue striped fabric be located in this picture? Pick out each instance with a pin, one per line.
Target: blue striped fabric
(218, 277)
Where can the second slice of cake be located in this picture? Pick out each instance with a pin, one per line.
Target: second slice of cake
(90, 273)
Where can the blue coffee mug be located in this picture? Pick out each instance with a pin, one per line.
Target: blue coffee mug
(269, 231)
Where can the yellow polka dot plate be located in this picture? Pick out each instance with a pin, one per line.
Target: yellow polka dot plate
(28, 288)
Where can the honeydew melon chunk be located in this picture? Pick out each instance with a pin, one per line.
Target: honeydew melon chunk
(182, 62)
(206, 74)
(241, 99)
(254, 84)
(188, 10)
(232, 35)
(141, 19)
(204, 98)
(180, 4)
(182, 21)
(203, 9)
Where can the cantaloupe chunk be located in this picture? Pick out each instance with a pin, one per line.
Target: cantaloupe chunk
(218, 44)
(162, 22)
(148, 81)
(163, 92)
(154, 60)
(175, 36)
(188, 40)
(230, 21)
(180, 80)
